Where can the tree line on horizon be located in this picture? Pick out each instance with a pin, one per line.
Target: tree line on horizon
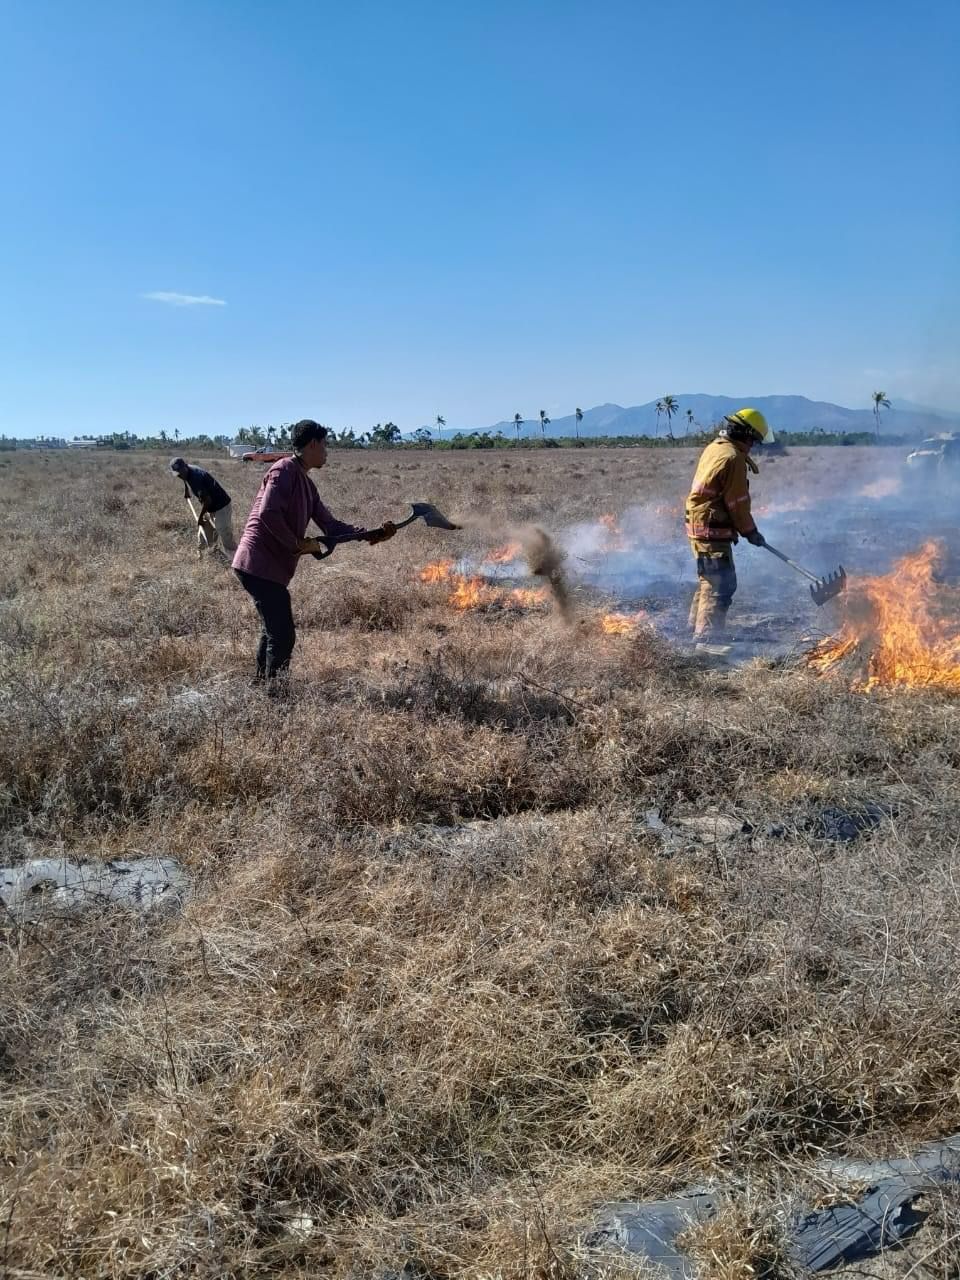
(389, 435)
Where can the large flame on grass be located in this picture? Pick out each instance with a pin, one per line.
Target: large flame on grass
(470, 591)
(543, 560)
(893, 633)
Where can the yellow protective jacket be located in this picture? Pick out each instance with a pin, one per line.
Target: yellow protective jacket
(718, 505)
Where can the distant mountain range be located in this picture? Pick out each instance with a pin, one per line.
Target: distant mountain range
(784, 413)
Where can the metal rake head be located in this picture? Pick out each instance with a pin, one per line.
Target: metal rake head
(826, 588)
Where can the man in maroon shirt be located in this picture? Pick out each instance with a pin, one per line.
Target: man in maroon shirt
(273, 541)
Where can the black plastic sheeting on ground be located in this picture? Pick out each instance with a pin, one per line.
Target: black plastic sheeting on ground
(837, 824)
(880, 1217)
(650, 1230)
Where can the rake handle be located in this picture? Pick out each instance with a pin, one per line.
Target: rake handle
(792, 563)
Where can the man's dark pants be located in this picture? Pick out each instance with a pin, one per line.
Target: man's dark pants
(276, 617)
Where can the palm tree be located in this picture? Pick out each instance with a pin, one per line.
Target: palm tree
(271, 435)
(669, 406)
(518, 423)
(441, 423)
(578, 417)
(659, 411)
(689, 413)
(544, 423)
(880, 401)
(176, 433)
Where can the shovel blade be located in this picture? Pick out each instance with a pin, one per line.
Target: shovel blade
(825, 589)
(431, 516)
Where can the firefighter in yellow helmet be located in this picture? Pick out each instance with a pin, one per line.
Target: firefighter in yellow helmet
(718, 515)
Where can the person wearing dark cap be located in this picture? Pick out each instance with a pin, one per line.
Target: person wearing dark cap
(214, 502)
(274, 538)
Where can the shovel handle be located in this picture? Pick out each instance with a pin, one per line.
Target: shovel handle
(331, 544)
(792, 563)
(330, 547)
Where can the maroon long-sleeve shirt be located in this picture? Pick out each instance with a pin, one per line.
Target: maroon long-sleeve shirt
(286, 502)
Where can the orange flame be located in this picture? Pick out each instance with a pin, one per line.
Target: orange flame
(504, 555)
(621, 624)
(471, 593)
(474, 592)
(891, 622)
(439, 571)
(613, 539)
(527, 597)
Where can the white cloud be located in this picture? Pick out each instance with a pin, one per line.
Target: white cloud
(184, 299)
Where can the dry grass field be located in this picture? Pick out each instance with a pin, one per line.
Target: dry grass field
(442, 987)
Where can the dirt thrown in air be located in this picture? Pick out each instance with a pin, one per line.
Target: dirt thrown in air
(545, 560)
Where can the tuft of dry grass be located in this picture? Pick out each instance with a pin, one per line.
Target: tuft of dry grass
(442, 987)
(735, 1245)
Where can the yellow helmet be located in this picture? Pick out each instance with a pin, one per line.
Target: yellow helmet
(752, 420)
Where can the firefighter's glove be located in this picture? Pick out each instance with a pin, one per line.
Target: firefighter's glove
(383, 534)
(755, 538)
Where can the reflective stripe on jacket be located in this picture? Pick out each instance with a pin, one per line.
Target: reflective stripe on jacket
(718, 505)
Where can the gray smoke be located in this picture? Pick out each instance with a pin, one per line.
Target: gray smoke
(823, 508)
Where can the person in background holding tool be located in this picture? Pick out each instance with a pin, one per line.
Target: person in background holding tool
(273, 541)
(214, 502)
(718, 514)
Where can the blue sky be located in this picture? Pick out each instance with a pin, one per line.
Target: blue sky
(414, 208)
